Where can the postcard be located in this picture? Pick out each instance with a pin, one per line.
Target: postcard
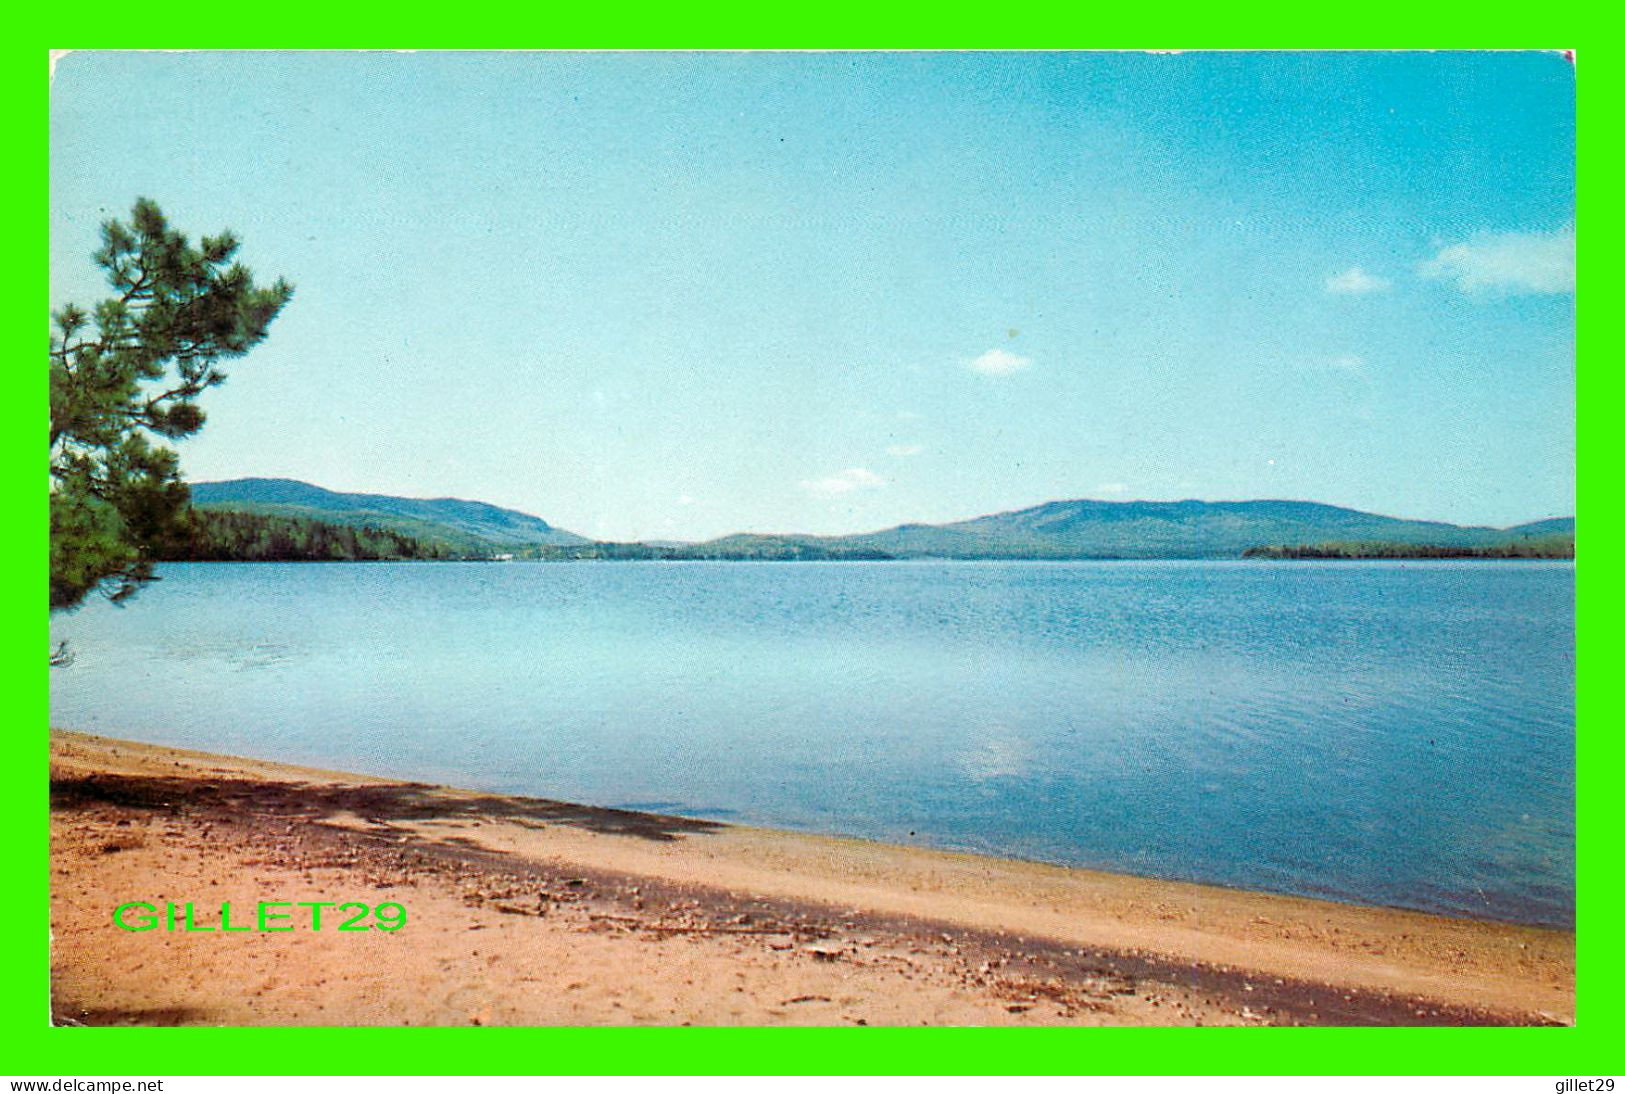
(812, 538)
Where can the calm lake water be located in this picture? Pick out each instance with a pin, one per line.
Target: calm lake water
(1385, 733)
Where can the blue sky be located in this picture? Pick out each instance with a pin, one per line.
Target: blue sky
(680, 295)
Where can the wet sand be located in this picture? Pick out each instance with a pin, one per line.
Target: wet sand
(529, 912)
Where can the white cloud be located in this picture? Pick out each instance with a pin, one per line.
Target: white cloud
(1356, 282)
(904, 449)
(843, 482)
(1112, 488)
(1508, 262)
(999, 362)
(686, 499)
(1349, 362)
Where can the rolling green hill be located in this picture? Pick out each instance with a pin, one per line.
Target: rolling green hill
(1179, 529)
(464, 527)
(1155, 529)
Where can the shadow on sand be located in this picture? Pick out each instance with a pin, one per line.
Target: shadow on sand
(375, 803)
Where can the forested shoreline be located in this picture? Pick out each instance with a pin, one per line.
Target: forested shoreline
(217, 535)
(1561, 547)
(230, 535)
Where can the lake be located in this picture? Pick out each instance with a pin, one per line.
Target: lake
(1386, 733)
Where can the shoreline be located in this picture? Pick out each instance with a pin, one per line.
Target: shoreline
(893, 559)
(697, 921)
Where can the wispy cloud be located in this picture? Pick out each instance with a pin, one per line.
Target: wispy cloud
(843, 482)
(1508, 262)
(904, 449)
(1356, 282)
(1000, 362)
(1112, 488)
(1348, 362)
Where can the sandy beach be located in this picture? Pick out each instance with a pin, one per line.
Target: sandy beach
(529, 912)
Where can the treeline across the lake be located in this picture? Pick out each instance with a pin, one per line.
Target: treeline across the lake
(1535, 547)
(223, 535)
(735, 549)
(229, 535)
(234, 535)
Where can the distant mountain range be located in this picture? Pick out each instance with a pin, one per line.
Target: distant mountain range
(1057, 530)
(1173, 529)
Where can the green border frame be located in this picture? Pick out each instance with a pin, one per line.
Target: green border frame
(35, 1048)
